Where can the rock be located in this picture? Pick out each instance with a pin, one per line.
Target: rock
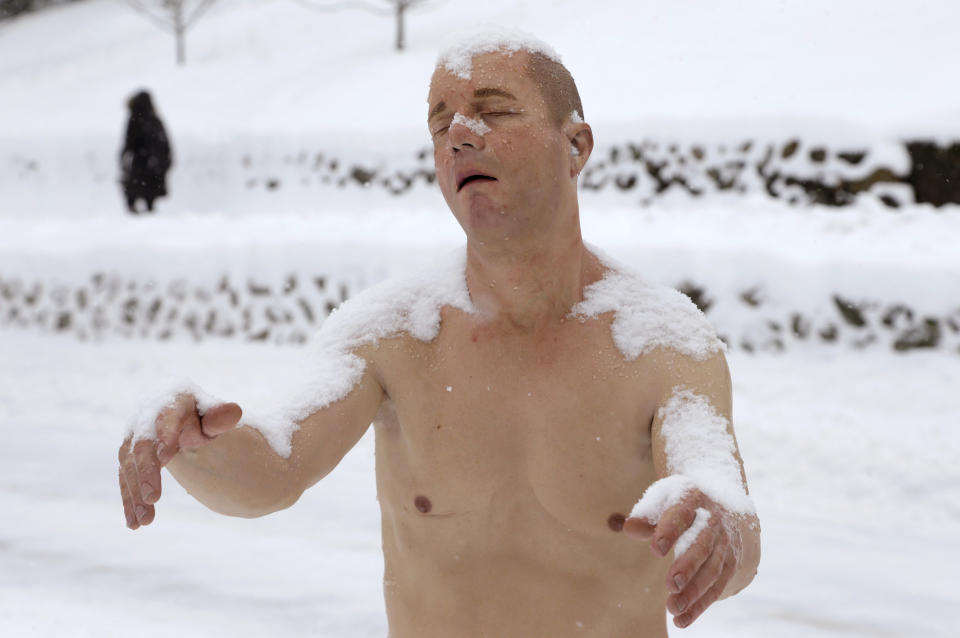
(850, 312)
(925, 335)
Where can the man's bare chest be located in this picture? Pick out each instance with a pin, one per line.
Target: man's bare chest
(550, 433)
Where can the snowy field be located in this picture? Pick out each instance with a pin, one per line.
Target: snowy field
(853, 456)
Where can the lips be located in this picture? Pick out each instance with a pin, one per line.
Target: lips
(471, 176)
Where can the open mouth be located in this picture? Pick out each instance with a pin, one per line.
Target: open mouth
(474, 178)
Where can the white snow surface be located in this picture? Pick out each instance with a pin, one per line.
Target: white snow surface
(457, 58)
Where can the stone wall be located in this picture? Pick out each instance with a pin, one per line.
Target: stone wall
(791, 170)
(110, 306)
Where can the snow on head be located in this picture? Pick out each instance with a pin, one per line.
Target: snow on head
(477, 126)
(647, 316)
(458, 58)
(575, 117)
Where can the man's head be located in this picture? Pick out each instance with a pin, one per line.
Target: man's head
(509, 137)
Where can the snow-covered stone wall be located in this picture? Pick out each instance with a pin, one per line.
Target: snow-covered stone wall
(287, 310)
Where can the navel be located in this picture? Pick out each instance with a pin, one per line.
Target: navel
(423, 505)
(616, 521)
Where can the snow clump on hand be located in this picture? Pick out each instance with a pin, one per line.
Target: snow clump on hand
(143, 425)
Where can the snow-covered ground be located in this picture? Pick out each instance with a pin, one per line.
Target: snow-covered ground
(851, 459)
(852, 455)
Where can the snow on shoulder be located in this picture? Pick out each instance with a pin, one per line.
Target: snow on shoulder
(647, 315)
(458, 58)
(410, 304)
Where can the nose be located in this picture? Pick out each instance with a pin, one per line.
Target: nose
(462, 137)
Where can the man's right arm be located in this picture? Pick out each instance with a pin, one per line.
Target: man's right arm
(233, 470)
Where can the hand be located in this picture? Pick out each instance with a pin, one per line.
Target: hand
(177, 427)
(699, 576)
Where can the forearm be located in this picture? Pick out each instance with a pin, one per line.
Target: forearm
(238, 474)
(748, 530)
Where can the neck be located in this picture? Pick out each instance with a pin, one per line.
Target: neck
(530, 284)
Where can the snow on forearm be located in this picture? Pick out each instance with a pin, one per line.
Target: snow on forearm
(701, 454)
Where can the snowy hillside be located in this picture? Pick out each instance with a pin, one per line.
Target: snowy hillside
(271, 65)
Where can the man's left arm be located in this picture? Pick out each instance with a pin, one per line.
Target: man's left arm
(693, 443)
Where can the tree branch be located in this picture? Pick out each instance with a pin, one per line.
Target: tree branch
(337, 6)
(198, 12)
(145, 11)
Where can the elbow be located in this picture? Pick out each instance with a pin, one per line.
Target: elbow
(252, 505)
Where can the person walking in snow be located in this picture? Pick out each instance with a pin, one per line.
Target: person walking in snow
(146, 156)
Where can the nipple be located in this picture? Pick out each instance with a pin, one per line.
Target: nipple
(423, 505)
(616, 521)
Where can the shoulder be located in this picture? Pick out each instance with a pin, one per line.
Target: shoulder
(648, 316)
(406, 305)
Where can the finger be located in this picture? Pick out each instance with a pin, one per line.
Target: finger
(170, 422)
(141, 511)
(674, 522)
(148, 469)
(191, 436)
(703, 579)
(127, 502)
(638, 528)
(709, 597)
(687, 565)
(221, 418)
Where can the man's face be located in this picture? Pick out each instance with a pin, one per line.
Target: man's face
(505, 170)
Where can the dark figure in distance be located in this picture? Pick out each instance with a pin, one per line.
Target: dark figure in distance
(146, 156)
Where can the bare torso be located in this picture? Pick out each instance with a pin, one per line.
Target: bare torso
(506, 462)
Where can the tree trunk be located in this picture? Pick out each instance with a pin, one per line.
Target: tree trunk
(179, 29)
(181, 47)
(400, 8)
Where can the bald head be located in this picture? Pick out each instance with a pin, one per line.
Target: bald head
(556, 85)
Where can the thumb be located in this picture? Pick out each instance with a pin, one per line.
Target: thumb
(220, 418)
(639, 528)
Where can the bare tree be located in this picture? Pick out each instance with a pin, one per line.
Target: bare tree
(176, 16)
(396, 8)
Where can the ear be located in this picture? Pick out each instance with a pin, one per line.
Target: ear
(581, 145)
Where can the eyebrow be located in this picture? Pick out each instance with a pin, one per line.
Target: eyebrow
(479, 93)
(436, 109)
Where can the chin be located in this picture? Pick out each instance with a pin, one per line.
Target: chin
(484, 214)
